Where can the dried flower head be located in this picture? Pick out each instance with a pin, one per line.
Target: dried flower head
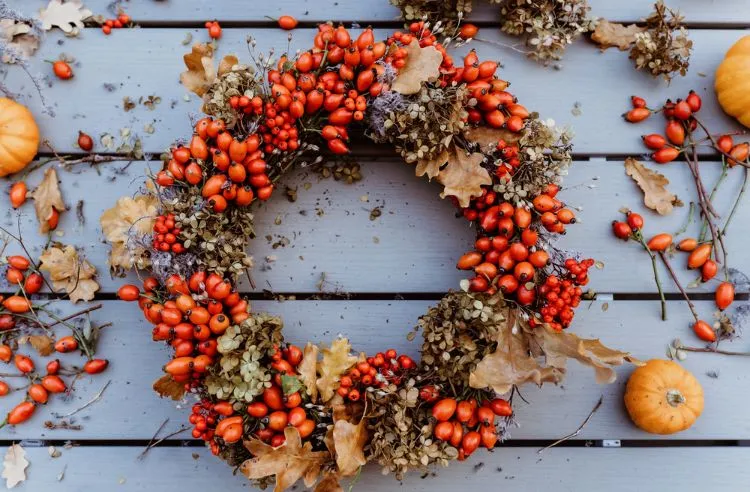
(433, 10)
(664, 48)
(548, 25)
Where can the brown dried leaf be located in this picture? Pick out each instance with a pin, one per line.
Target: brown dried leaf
(558, 347)
(129, 218)
(288, 462)
(488, 137)
(68, 16)
(431, 167)
(68, 273)
(512, 362)
(167, 387)
(653, 184)
(308, 370)
(464, 176)
(611, 34)
(200, 69)
(336, 360)
(349, 441)
(422, 65)
(43, 344)
(226, 64)
(329, 483)
(46, 197)
(18, 36)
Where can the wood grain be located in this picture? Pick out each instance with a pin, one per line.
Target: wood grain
(108, 69)
(713, 12)
(129, 408)
(560, 469)
(413, 246)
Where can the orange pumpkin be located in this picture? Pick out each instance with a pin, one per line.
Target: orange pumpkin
(663, 398)
(19, 137)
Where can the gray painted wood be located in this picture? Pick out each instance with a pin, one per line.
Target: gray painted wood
(129, 409)
(415, 243)
(602, 95)
(559, 469)
(715, 12)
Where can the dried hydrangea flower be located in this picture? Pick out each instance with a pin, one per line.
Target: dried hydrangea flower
(664, 48)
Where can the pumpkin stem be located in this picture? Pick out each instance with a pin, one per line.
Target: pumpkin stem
(675, 398)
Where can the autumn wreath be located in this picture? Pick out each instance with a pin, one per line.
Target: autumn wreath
(276, 410)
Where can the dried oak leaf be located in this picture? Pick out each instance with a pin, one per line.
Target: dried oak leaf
(512, 363)
(329, 483)
(14, 466)
(68, 273)
(653, 184)
(422, 65)
(349, 441)
(463, 176)
(431, 167)
(167, 387)
(558, 347)
(288, 462)
(611, 34)
(200, 71)
(336, 360)
(19, 37)
(308, 370)
(46, 197)
(43, 344)
(488, 137)
(130, 218)
(226, 64)
(68, 16)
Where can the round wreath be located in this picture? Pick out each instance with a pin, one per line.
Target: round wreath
(276, 410)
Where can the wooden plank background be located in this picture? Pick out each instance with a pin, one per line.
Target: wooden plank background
(408, 252)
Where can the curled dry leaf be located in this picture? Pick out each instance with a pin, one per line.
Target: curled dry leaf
(123, 224)
(68, 273)
(308, 370)
(422, 65)
(43, 344)
(336, 360)
(329, 483)
(14, 466)
(653, 184)
(167, 387)
(226, 64)
(46, 197)
(539, 355)
(288, 462)
(349, 440)
(463, 176)
(68, 16)
(200, 71)
(611, 34)
(18, 36)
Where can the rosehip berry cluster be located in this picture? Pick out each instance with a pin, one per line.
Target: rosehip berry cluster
(122, 20)
(375, 372)
(167, 235)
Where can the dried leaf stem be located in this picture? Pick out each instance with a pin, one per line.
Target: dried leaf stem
(153, 438)
(578, 430)
(713, 351)
(159, 441)
(95, 399)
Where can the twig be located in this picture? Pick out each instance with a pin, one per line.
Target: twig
(74, 315)
(678, 284)
(95, 399)
(639, 236)
(156, 443)
(579, 429)
(716, 144)
(689, 220)
(736, 203)
(712, 351)
(151, 442)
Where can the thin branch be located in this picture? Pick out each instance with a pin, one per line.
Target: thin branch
(156, 443)
(651, 255)
(153, 438)
(678, 284)
(95, 399)
(74, 315)
(736, 203)
(712, 351)
(579, 429)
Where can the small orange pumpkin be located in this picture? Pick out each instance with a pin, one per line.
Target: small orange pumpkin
(662, 397)
(19, 137)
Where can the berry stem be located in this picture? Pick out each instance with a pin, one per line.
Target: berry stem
(678, 284)
(639, 236)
